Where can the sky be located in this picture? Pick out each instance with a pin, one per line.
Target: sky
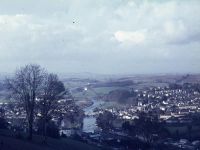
(101, 36)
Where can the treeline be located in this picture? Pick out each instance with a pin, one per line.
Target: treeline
(36, 92)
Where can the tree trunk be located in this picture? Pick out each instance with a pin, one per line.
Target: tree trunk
(30, 132)
(45, 129)
(45, 132)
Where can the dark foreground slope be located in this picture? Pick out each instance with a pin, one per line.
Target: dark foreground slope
(12, 143)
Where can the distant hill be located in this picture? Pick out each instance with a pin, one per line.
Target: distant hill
(121, 96)
(1, 86)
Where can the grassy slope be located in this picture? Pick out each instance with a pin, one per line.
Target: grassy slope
(11, 143)
(183, 129)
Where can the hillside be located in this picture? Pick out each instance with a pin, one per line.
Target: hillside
(12, 143)
(121, 96)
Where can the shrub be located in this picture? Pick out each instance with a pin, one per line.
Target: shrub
(52, 130)
(3, 123)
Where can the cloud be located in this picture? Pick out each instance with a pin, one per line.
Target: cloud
(174, 28)
(97, 36)
(130, 37)
(177, 32)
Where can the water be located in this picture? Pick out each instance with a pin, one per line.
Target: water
(89, 122)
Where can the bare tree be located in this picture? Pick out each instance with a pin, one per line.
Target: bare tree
(25, 87)
(53, 90)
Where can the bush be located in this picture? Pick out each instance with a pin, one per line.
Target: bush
(3, 124)
(19, 135)
(52, 130)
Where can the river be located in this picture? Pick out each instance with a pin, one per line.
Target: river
(89, 122)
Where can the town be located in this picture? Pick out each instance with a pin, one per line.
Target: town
(175, 107)
(151, 117)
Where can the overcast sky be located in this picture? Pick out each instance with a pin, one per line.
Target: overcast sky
(101, 36)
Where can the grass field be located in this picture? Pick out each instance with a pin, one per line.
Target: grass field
(9, 142)
(182, 129)
(184, 132)
(106, 90)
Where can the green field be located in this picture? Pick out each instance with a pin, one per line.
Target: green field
(9, 142)
(106, 90)
(183, 131)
